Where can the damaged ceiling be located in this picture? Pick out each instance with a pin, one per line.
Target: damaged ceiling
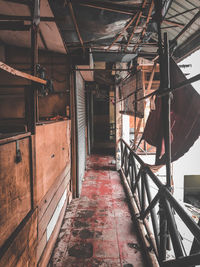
(120, 30)
(114, 30)
(106, 26)
(186, 14)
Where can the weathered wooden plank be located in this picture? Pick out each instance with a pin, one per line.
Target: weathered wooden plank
(50, 245)
(21, 74)
(22, 251)
(42, 224)
(45, 202)
(41, 246)
(15, 200)
(12, 137)
(42, 242)
(52, 154)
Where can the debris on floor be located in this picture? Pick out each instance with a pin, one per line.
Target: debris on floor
(97, 229)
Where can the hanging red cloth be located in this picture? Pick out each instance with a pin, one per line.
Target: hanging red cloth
(185, 119)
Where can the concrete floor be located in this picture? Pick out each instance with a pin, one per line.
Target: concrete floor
(97, 229)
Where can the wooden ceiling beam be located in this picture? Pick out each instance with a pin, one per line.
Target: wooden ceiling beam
(136, 24)
(14, 26)
(43, 40)
(20, 2)
(187, 26)
(31, 9)
(145, 25)
(76, 25)
(182, 13)
(108, 7)
(173, 23)
(22, 18)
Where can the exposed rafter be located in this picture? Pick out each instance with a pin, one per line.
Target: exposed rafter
(76, 25)
(187, 26)
(22, 18)
(39, 30)
(123, 30)
(182, 13)
(42, 39)
(20, 2)
(170, 22)
(136, 24)
(14, 26)
(173, 23)
(108, 6)
(145, 25)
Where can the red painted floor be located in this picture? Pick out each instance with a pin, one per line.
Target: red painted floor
(97, 229)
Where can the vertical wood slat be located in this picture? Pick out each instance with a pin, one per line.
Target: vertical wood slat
(52, 144)
(22, 250)
(15, 201)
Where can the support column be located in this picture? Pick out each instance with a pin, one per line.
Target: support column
(164, 81)
(32, 95)
(166, 102)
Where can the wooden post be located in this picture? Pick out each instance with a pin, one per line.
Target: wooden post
(32, 95)
(34, 62)
(76, 25)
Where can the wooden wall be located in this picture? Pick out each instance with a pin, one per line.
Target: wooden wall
(15, 189)
(52, 175)
(22, 250)
(52, 154)
(28, 204)
(38, 188)
(57, 69)
(12, 96)
(18, 221)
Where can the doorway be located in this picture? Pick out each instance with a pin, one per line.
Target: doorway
(104, 122)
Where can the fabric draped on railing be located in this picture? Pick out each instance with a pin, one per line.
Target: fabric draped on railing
(185, 119)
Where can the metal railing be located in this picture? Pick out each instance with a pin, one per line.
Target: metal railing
(141, 146)
(159, 212)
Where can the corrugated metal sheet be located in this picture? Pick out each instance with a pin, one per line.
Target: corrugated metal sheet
(81, 128)
(99, 28)
(183, 12)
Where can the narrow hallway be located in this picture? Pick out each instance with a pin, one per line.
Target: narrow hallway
(97, 229)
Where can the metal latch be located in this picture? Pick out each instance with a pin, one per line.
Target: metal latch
(18, 153)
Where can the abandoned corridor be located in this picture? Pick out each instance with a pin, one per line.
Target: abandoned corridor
(97, 229)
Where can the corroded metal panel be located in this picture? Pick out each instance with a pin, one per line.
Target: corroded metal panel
(81, 126)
